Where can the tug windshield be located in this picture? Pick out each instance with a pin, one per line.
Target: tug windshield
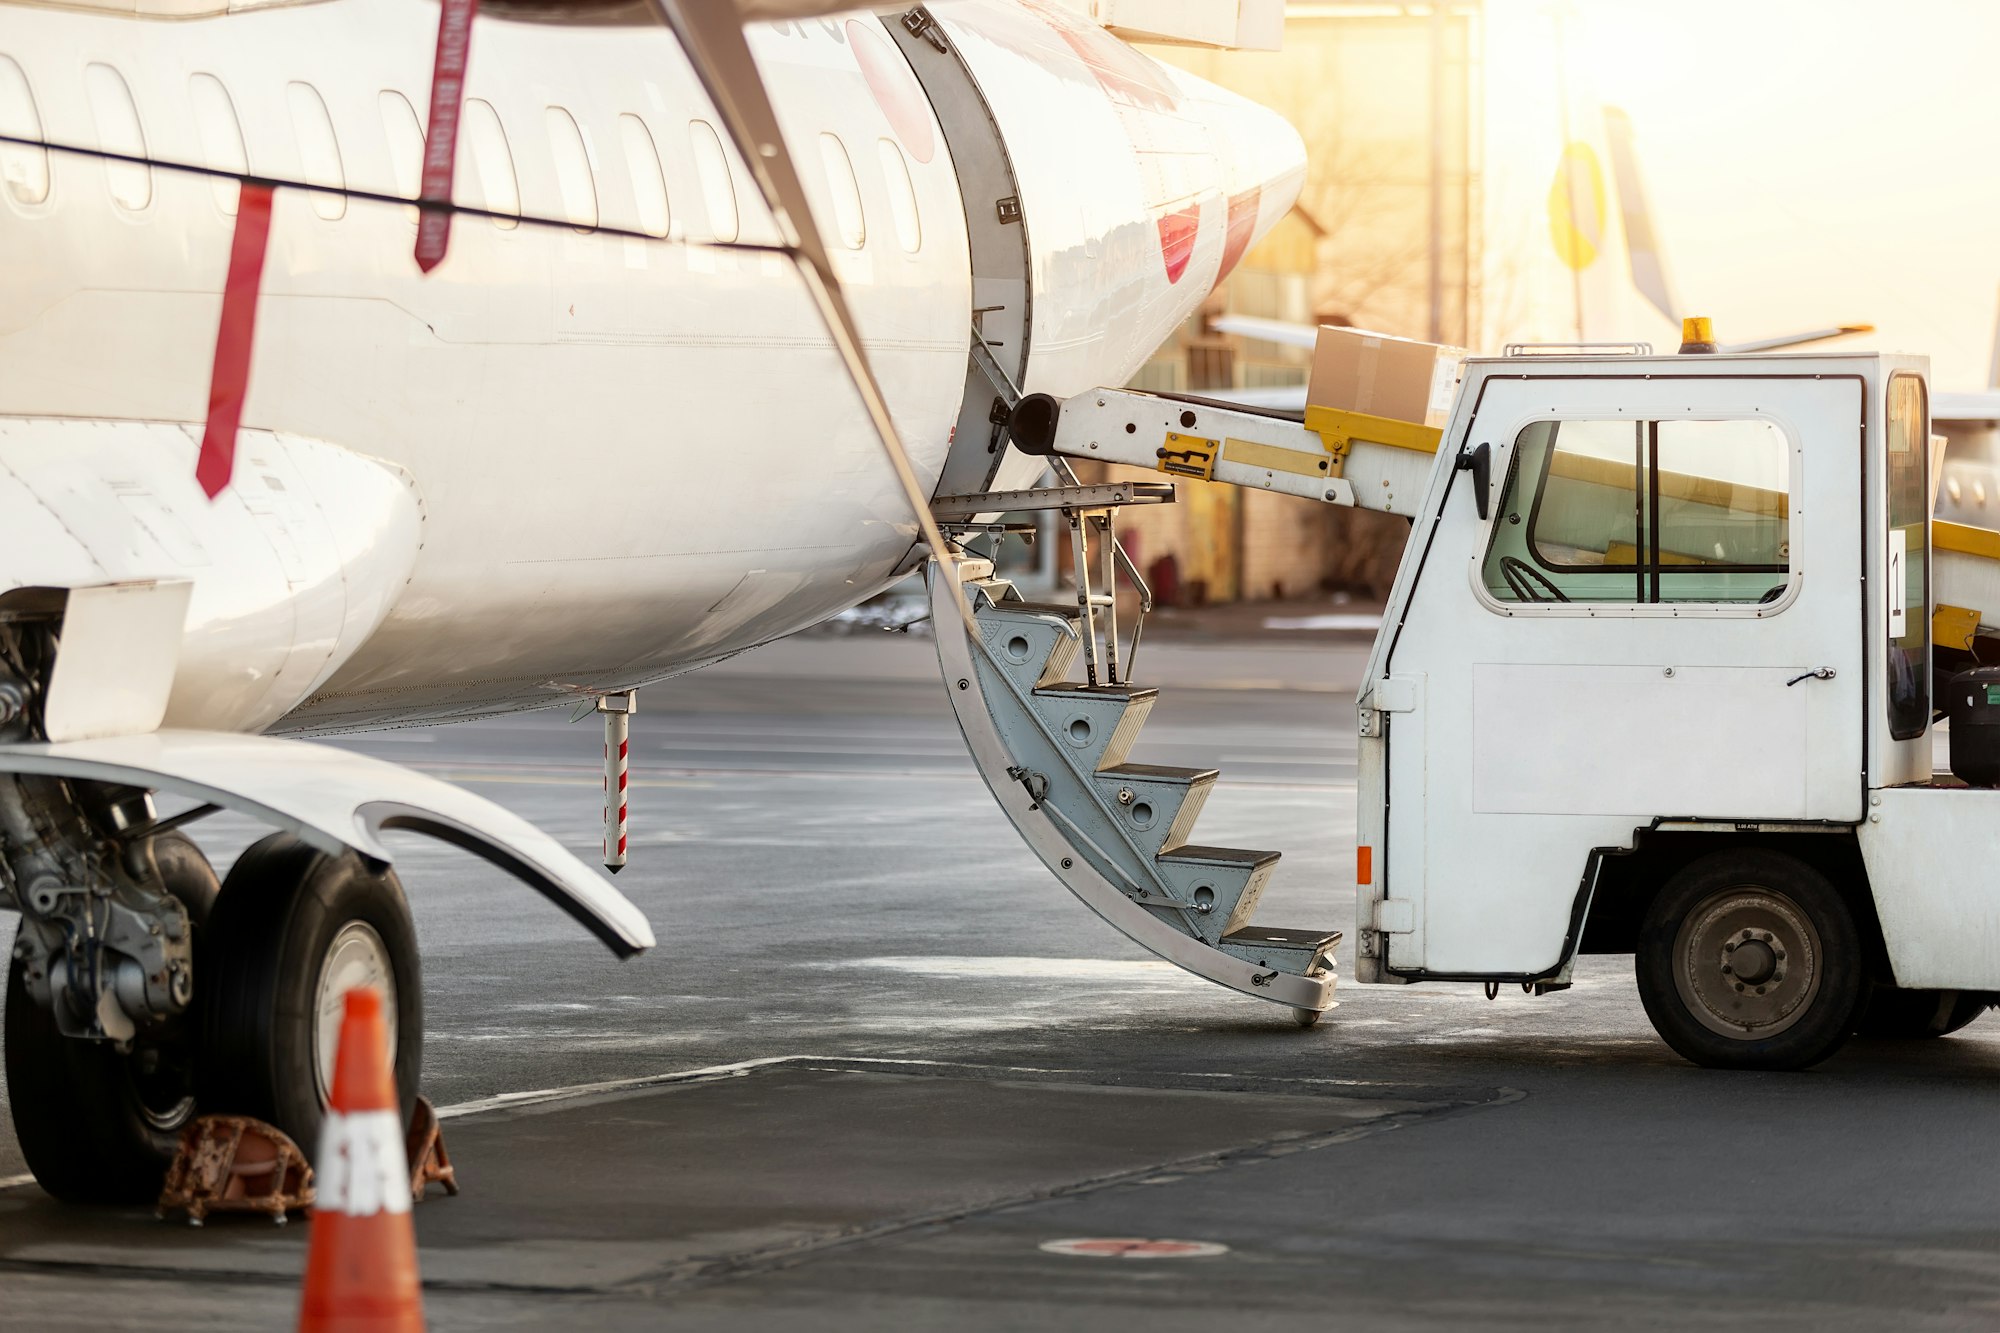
(1645, 512)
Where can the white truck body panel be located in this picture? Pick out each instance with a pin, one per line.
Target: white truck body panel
(1929, 853)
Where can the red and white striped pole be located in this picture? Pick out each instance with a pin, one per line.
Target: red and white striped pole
(617, 710)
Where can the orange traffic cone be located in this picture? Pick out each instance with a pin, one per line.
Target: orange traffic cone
(361, 1268)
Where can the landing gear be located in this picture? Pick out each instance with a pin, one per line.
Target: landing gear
(1918, 1014)
(98, 1124)
(1750, 960)
(293, 932)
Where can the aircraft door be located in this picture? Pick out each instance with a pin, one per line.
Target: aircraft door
(1647, 625)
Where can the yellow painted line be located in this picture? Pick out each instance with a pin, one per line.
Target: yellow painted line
(1965, 539)
(1272, 458)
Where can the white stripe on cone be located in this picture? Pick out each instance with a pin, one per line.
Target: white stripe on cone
(362, 1167)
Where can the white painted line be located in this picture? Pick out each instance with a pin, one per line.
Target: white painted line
(507, 1101)
(1133, 1247)
(15, 1182)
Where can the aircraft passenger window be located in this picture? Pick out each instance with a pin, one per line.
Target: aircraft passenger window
(25, 169)
(573, 176)
(1644, 512)
(902, 195)
(712, 165)
(1908, 486)
(494, 185)
(221, 138)
(405, 134)
(649, 183)
(319, 151)
(118, 131)
(847, 219)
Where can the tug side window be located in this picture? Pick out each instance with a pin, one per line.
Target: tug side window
(1639, 512)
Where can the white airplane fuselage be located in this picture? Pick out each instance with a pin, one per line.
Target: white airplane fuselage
(565, 462)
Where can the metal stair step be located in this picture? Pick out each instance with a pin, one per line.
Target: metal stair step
(1129, 693)
(1221, 883)
(1299, 952)
(1067, 610)
(1161, 773)
(1164, 804)
(1101, 722)
(1218, 856)
(1037, 648)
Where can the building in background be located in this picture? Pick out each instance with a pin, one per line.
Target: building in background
(1386, 236)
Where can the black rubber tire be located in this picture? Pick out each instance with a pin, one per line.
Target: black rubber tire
(282, 906)
(1828, 1015)
(1917, 1015)
(80, 1106)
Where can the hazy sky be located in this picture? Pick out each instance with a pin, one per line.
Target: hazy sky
(1808, 163)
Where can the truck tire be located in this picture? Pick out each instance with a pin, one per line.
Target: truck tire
(97, 1125)
(293, 930)
(1750, 959)
(1897, 1014)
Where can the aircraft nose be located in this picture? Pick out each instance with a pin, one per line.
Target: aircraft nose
(1262, 166)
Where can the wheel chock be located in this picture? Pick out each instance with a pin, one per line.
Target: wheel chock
(428, 1159)
(234, 1164)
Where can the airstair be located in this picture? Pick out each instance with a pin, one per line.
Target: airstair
(1056, 753)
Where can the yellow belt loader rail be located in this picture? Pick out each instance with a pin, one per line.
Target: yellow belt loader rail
(1659, 675)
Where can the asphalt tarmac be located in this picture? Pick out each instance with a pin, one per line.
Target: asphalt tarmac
(881, 1059)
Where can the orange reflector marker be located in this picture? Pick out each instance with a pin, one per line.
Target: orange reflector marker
(1364, 865)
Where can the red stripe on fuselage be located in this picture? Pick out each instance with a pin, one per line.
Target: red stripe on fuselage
(229, 379)
(1242, 226)
(1178, 232)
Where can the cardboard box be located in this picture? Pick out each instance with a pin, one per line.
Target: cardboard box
(1400, 378)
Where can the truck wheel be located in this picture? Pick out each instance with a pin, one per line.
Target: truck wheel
(294, 930)
(98, 1125)
(1893, 1012)
(1750, 960)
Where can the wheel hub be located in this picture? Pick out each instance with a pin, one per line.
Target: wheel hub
(356, 957)
(1748, 962)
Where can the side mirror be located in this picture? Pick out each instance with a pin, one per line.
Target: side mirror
(1479, 462)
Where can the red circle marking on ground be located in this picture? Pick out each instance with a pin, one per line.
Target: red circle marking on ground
(1134, 1247)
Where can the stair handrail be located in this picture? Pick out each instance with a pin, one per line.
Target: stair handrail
(1067, 475)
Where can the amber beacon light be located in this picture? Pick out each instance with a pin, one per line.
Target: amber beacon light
(1697, 335)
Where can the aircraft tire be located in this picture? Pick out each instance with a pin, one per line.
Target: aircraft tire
(294, 930)
(97, 1125)
(1750, 959)
(1917, 1015)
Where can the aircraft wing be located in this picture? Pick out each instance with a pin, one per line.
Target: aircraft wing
(1280, 331)
(1798, 339)
(1279, 397)
(1982, 406)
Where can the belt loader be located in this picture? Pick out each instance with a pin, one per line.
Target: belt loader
(1655, 677)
